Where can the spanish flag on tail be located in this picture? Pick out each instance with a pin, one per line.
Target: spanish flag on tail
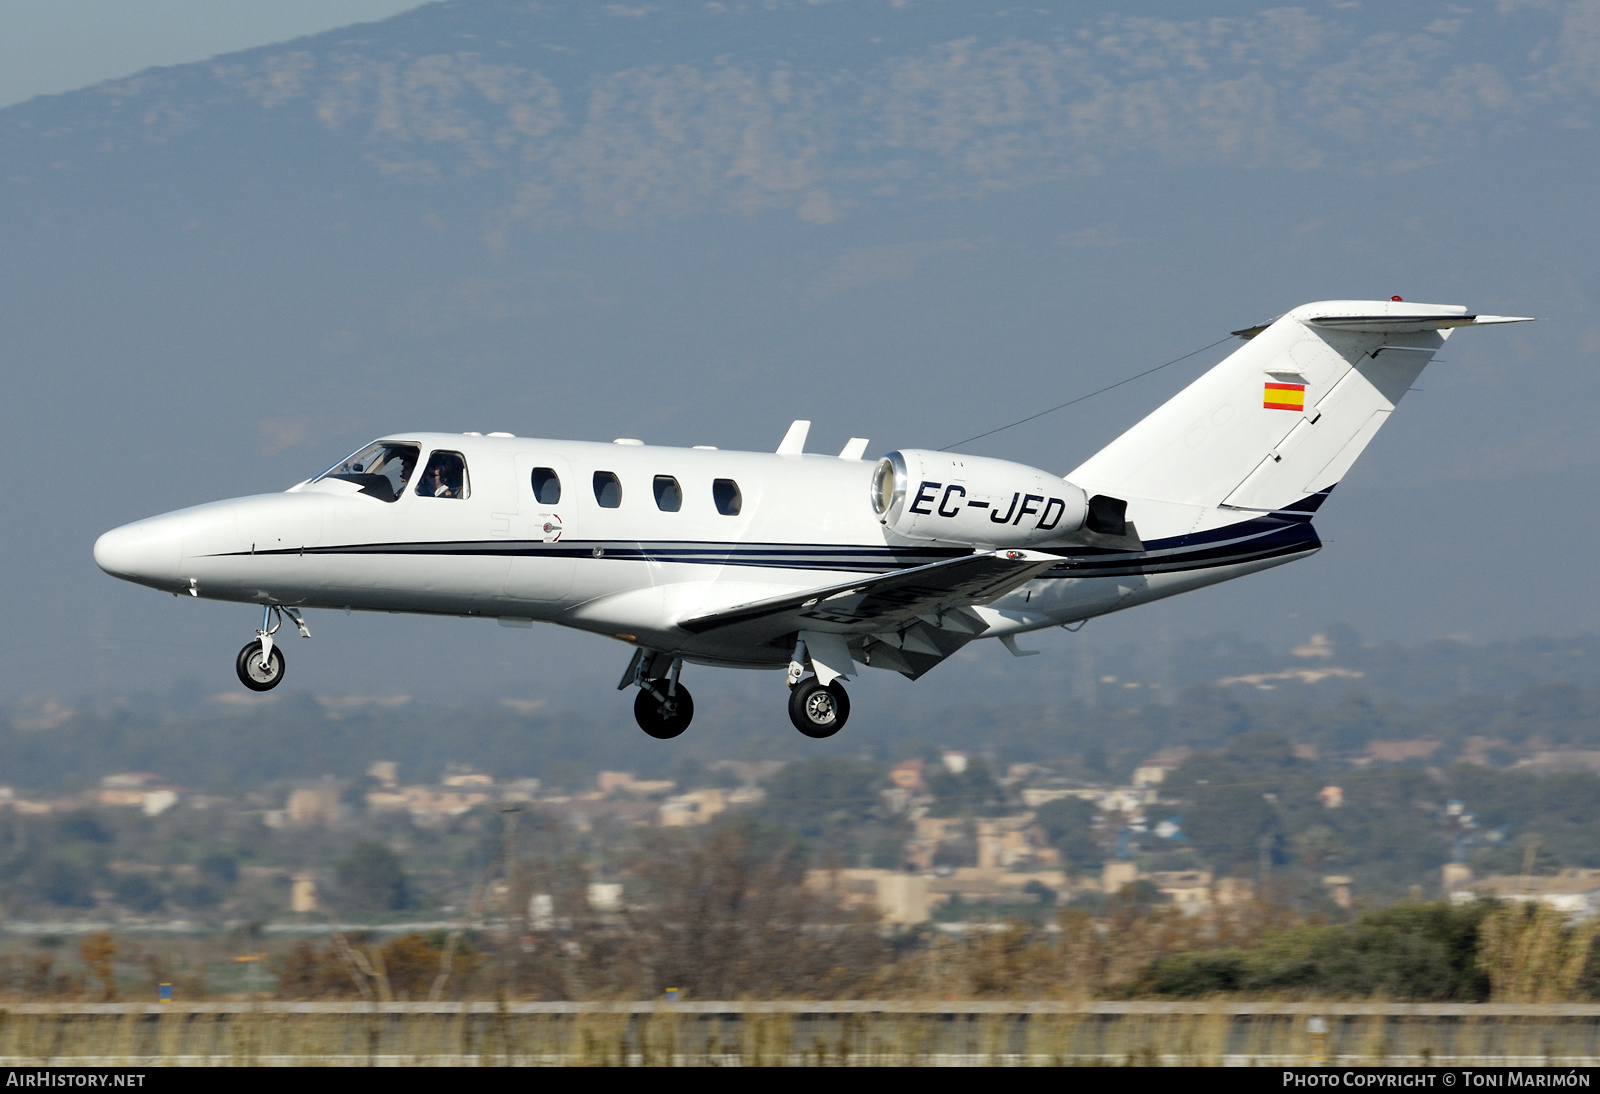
(1284, 397)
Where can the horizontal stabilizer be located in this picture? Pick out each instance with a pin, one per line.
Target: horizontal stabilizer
(1409, 324)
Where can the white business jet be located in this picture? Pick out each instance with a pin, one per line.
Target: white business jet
(815, 563)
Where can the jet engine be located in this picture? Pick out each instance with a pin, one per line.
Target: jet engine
(974, 500)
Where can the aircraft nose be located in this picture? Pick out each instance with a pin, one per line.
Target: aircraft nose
(146, 551)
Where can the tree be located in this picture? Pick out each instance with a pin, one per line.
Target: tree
(138, 893)
(1068, 824)
(99, 951)
(719, 920)
(1227, 823)
(372, 879)
(970, 792)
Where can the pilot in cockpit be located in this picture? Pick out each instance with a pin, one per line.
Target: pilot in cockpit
(444, 478)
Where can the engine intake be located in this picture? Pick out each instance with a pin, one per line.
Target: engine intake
(973, 500)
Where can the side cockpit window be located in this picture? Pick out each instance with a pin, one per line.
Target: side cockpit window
(444, 477)
(546, 486)
(607, 490)
(381, 469)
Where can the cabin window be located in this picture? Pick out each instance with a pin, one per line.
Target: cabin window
(546, 486)
(381, 469)
(607, 490)
(444, 477)
(725, 492)
(669, 495)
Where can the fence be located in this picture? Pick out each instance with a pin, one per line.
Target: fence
(823, 1033)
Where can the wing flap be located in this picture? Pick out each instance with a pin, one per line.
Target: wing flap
(889, 601)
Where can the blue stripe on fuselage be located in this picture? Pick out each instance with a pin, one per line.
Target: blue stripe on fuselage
(1264, 536)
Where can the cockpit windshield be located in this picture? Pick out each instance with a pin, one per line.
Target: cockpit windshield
(381, 469)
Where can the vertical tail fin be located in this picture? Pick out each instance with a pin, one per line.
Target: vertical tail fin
(1285, 415)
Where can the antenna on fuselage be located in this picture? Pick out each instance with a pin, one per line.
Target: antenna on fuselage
(794, 441)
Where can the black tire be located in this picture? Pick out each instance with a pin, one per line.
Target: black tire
(654, 717)
(253, 674)
(818, 711)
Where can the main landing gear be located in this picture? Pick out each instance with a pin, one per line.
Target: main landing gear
(260, 664)
(663, 708)
(818, 710)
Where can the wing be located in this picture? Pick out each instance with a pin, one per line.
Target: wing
(912, 618)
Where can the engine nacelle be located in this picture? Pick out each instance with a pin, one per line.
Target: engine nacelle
(974, 500)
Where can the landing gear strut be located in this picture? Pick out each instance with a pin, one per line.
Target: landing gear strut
(663, 708)
(260, 664)
(818, 710)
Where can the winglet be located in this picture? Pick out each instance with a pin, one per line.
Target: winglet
(794, 441)
(855, 449)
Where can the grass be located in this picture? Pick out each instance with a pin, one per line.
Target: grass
(817, 1033)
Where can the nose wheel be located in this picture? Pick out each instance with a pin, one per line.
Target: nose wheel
(260, 664)
(816, 710)
(256, 672)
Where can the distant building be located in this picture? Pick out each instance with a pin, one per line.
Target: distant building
(136, 790)
(614, 780)
(1332, 796)
(605, 896)
(955, 762)
(976, 885)
(1319, 646)
(1116, 876)
(1575, 892)
(303, 894)
(624, 782)
(1007, 841)
(468, 778)
(385, 771)
(1417, 748)
(1035, 796)
(157, 802)
(1153, 772)
(1233, 890)
(130, 780)
(1338, 886)
(907, 776)
(1189, 890)
(427, 806)
(1123, 800)
(696, 807)
(310, 805)
(899, 899)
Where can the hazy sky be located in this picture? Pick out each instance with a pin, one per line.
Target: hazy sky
(692, 223)
(51, 46)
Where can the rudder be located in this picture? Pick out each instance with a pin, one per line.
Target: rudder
(1284, 416)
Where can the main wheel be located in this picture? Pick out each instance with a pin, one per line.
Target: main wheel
(258, 675)
(663, 721)
(818, 711)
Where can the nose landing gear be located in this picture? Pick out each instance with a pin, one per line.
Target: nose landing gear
(260, 664)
